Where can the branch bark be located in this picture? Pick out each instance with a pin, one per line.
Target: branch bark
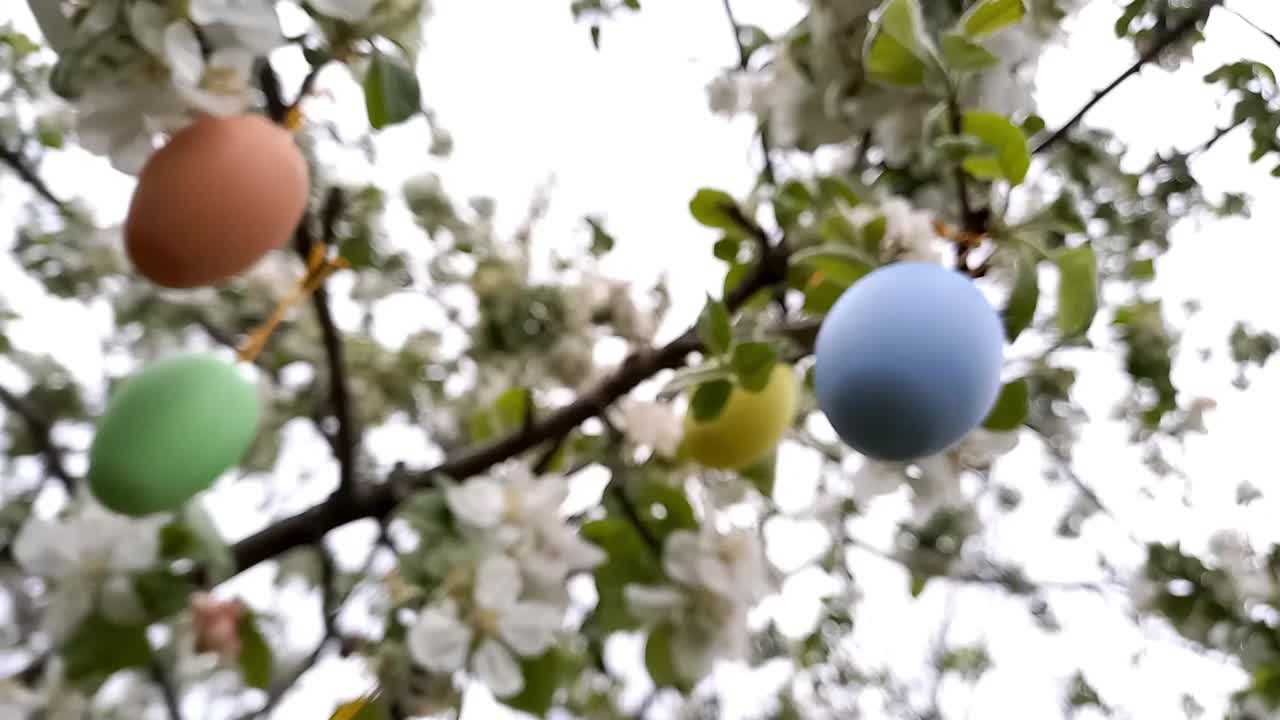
(345, 435)
(378, 501)
(29, 176)
(1175, 33)
(42, 434)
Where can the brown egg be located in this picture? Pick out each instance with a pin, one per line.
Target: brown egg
(208, 205)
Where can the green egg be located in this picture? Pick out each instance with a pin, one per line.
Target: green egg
(169, 432)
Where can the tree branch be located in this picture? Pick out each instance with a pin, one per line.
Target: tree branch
(1275, 39)
(42, 434)
(378, 501)
(29, 176)
(167, 689)
(1175, 33)
(744, 64)
(345, 436)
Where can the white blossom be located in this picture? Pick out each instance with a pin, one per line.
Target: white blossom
(120, 120)
(51, 699)
(650, 424)
(496, 622)
(219, 85)
(249, 24)
(1234, 553)
(89, 558)
(875, 478)
(521, 514)
(909, 233)
(731, 563)
(715, 580)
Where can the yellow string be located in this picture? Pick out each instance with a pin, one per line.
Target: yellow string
(319, 267)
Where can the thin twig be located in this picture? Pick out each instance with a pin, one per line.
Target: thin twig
(331, 605)
(345, 435)
(167, 689)
(29, 176)
(1217, 135)
(744, 64)
(378, 501)
(1174, 34)
(1275, 39)
(42, 435)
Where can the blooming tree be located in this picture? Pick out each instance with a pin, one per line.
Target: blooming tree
(560, 513)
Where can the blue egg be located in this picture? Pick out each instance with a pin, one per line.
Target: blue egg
(908, 361)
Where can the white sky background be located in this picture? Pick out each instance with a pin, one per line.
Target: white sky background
(626, 133)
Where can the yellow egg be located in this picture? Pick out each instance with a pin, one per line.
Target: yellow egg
(208, 205)
(748, 428)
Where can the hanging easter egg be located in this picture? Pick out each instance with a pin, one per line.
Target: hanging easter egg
(750, 425)
(170, 431)
(222, 193)
(908, 361)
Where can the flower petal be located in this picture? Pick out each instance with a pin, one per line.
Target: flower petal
(530, 627)
(68, 607)
(120, 603)
(680, 557)
(653, 603)
(478, 502)
(439, 641)
(182, 51)
(41, 549)
(495, 667)
(497, 583)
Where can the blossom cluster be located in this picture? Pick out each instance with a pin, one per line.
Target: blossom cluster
(510, 603)
(815, 92)
(135, 71)
(714, 580)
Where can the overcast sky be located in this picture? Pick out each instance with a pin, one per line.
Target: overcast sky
(625, 132)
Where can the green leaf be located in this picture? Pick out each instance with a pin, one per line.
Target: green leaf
(763, 474)
(629, 559)
(100, 647)
(710, 399)
(792, 200)
(1064, 215)
(255, 656)
(873, 234)
(736, 274)
(896, 47)
(990, 15)
(369, 707)
(716, 209)
(1010, 408)
(837, 262)
(601, 241)
(834, 268)
(961, 53)
(833, 189)
(1033, 125)
(542, 676)
(1020, 310)
(753, 364)
(648, 494)
(1077, 289)
(1013, 157)
(658, 660)
(917, 584)
(391, 92)
(50, 136)
(726, 248)
(162, 593)
(714, 329)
